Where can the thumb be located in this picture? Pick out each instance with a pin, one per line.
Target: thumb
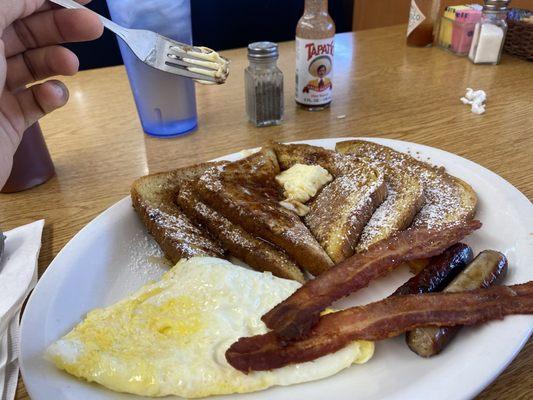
(41, 99)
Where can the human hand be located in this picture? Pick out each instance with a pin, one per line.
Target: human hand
(30, 31)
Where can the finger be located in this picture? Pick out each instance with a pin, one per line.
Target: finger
(41, 99)
(49, 28)
(16, 9)
(38, 64)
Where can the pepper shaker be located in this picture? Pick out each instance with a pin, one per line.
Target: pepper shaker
(264, 85)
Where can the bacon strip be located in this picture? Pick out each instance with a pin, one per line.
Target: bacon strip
(381, 320)
(294, 317)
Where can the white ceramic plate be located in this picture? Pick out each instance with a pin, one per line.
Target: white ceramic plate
(113, 256)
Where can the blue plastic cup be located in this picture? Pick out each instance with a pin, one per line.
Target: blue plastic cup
(166, 103)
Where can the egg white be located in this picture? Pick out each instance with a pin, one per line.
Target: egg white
(170, 337)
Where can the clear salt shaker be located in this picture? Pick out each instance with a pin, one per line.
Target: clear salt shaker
(489, 33)
(263, 85)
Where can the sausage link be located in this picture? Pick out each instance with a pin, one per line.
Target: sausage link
(488, 268)
(440, 271)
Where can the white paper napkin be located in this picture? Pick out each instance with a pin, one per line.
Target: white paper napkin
(18, 276)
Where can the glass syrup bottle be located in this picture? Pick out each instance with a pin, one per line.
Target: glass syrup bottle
(315, 34)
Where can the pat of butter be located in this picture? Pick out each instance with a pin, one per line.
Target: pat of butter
(301, 183)
(295, 206)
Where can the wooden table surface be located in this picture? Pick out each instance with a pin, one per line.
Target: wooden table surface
(381, 88)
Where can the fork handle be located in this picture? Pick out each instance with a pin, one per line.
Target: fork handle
(117, 29)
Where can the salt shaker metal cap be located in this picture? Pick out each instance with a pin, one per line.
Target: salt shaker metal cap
(263, 51)
(495, 6)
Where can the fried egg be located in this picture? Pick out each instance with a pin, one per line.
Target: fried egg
(170, 337)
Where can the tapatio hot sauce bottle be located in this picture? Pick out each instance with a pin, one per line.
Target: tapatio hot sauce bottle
(422, 22)
(315, 34)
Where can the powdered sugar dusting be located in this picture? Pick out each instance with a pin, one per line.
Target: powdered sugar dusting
(258, 253)
(443, 196)
(145, 255)
(442, 200)
(187, 238)
(221, 227)
(342, 209)
(382, 222)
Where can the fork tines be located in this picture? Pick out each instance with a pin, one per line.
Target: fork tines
(196, 61)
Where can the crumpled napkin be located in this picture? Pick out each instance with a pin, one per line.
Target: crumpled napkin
(476, 99)
(18, 276)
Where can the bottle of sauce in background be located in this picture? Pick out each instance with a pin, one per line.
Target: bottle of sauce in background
(315, 34)
(32, 164)
(422, 22)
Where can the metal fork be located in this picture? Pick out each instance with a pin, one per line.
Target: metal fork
(2, 239)
(198, 63)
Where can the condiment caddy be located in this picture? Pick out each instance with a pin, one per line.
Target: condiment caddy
(457, 28)
(446, 28)
(475, 31)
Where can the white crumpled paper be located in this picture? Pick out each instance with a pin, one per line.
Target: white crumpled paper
(18, 276)
(476, 99)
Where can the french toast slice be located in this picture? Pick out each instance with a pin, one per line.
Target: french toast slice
(338, 214)
(290, 154)
(404, 200)
(447, 199)
(254, 251)
(153, 199)
(246, 193)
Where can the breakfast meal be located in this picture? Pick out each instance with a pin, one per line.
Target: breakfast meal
(314, 226)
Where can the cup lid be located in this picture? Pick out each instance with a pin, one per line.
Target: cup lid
(262, 50)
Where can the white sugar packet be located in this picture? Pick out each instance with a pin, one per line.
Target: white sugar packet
(18, 276)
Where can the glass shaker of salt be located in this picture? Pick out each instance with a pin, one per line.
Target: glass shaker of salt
(264, 85)
(489, 33)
